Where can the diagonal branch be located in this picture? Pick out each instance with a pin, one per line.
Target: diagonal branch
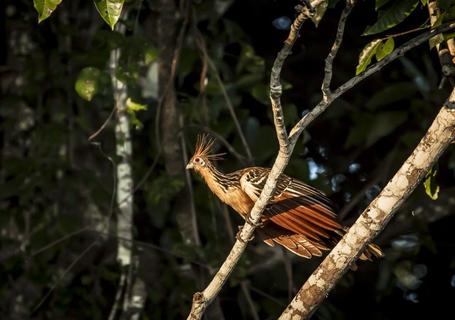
(376, 216)
(348, 85)
(203, 47)
(287, 143)
(202, 299)
(328, 68)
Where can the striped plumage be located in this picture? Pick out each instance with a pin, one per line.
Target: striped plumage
(298, 217)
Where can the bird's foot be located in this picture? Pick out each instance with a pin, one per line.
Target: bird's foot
(252, 223)
(238, 237)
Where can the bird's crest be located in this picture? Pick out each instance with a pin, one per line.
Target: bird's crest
(204, 148)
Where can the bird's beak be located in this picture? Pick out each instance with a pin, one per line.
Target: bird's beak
(189, 166)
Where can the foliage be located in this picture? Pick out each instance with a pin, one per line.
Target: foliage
(55, 184)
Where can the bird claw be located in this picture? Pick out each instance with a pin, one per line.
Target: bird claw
(251, 223)
(238, 237)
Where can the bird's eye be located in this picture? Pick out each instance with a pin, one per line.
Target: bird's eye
(199, 161)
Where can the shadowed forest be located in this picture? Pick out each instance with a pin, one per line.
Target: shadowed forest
(183, 68)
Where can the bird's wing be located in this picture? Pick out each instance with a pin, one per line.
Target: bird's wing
(296, 243)
(294, 206)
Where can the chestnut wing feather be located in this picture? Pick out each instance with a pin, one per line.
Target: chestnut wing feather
(294, 206)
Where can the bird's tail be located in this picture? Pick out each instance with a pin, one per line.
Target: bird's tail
(371, 251)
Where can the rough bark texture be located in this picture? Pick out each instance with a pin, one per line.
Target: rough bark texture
(376, 215)
(444, 52)
(129, 289)
(202, 299)
(171, 121)
(170, 118)
(287, 142)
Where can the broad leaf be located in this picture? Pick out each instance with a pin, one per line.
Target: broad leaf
(87, 83)
(385, 49)
(430, 189)
(134, 106)
(45, 8)
(380, 3)
(384, 124)
(366, 55)
(392, 15)
(109, 10)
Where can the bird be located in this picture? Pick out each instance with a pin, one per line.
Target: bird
(298, 217)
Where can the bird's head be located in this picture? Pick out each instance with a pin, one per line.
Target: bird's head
(203, 155)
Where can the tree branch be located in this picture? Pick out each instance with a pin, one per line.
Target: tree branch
(202, 299)
(328, 68)
(376, 215)
(287, 143)
(348, 85)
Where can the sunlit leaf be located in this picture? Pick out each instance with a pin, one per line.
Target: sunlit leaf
(87, 83)
(392, 15)
(431, 189)
(366, 55)
(134, 106)
(45, 8)
(385, 49)
(109, 10)
(424, 2)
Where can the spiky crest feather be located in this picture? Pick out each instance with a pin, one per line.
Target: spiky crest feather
(204, 147)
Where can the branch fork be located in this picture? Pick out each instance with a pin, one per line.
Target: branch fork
(348, 244)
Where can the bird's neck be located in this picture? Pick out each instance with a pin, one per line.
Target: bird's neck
(215, 179)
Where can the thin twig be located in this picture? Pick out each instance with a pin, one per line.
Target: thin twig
(328, 68)
(220, 138)
(324, 104)
(106, 122)
(64, 273)
(202, 46)
(174, 66)
(202, 299)
(376, 216)
(56, 242)
(246, 292)
(195, 228)
(118, 295)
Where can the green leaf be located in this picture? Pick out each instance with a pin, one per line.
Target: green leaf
(385, 49)
(445, 5)
(424, 2)
(369, 128)
(380, 3)
(45, 8)
(134, 106)
(88, 82)
(429, 184)
(109, 10)
(392, 15)
(390, 94)
(366, 55)
(384, 124)
(261, 93)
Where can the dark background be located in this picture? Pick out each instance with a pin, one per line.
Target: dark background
(56, 186)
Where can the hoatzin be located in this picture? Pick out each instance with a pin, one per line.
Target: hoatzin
(299, 217)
